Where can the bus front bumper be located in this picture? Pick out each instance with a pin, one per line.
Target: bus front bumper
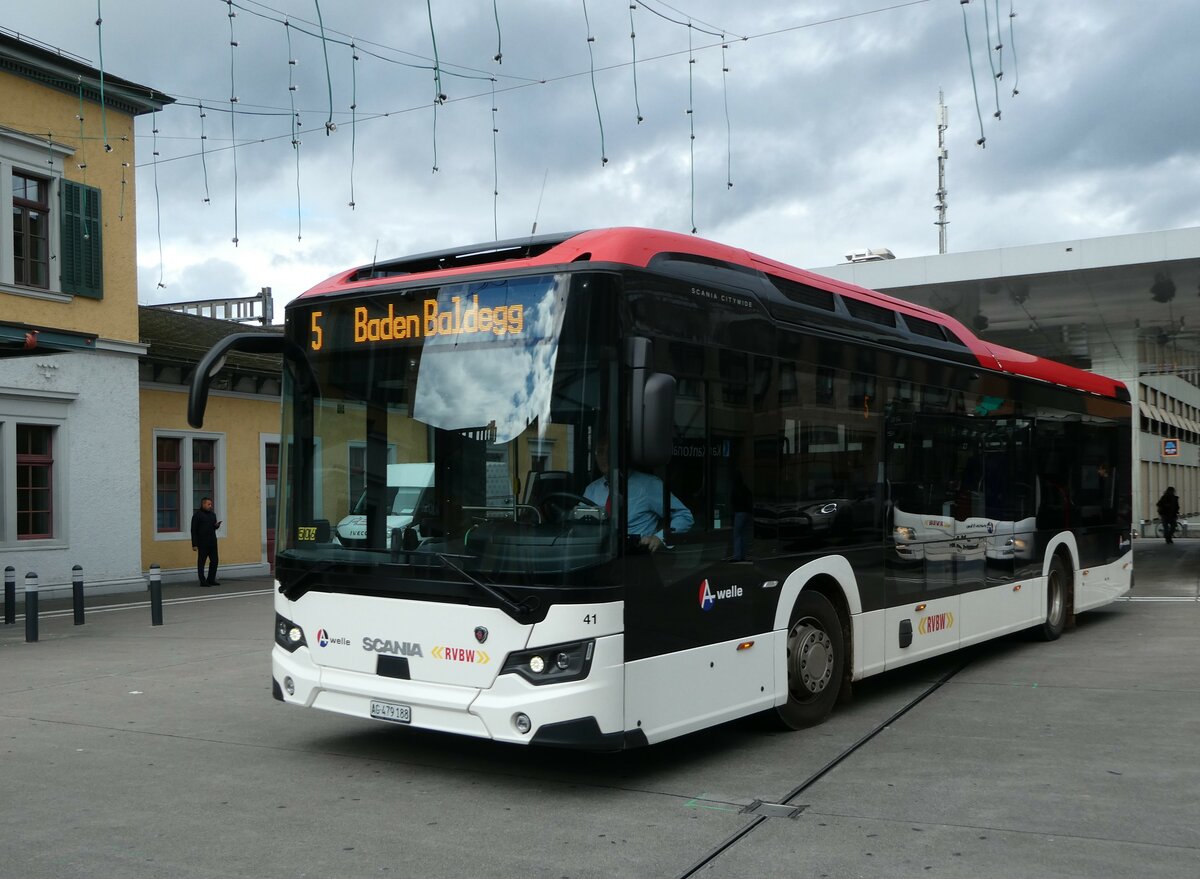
(585, 713)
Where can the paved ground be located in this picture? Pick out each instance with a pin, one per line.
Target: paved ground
(128, 750)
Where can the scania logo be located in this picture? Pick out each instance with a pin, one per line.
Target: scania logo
(481, 634)
(396, 648)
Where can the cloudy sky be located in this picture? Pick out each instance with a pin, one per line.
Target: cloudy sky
(821, 113)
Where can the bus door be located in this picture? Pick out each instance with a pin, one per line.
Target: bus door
(932, 556)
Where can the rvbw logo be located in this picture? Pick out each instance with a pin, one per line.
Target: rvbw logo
(709, 597)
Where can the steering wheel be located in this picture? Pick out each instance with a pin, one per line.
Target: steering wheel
(557, 505)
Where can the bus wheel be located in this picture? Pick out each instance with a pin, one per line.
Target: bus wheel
(816, 657)
(1056, 601)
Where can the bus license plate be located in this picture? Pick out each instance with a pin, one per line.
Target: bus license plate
(391, 711)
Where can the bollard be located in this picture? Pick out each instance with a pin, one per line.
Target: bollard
(155, 595)
(77, 593)
(31, 607)
(10, 595)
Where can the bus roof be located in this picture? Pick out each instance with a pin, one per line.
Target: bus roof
(640, 248)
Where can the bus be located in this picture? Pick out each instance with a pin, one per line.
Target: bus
(844, 483)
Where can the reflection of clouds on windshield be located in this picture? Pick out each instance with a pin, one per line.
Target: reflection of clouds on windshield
(469, 381)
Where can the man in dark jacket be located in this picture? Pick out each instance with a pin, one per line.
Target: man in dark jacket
(204, 541)
(1168, 510)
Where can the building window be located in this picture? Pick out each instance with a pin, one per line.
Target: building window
(35, 482)
(204, 469)
(31, 230)
(188, 468)
(167, 468)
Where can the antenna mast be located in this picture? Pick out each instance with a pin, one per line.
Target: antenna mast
(942, 155)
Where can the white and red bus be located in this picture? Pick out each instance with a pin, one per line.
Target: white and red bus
(847, 483)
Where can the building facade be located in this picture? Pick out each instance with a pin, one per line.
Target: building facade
(69, 343)
(233, 459)
(1127, 306)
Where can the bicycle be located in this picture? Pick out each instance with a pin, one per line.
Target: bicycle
(1181, 529)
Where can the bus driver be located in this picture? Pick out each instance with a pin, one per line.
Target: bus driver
(645, 502)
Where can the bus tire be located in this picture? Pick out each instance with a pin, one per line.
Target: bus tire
(1058, 594)
(816, 659)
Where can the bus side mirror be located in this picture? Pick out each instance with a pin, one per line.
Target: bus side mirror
(251, 343)
(658, 411)
(652, 409)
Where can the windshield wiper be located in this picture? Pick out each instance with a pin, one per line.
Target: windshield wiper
(519, 608)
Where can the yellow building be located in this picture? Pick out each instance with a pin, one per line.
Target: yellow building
(69, 340)
(232, 460)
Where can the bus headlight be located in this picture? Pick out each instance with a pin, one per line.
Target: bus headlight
(553, 664)
(288, 635)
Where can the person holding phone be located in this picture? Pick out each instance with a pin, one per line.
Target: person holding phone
(204, 541)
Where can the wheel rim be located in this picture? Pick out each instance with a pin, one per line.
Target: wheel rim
(810, 659)
(1054, 597)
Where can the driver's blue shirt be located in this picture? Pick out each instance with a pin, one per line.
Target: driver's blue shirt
(645, 505)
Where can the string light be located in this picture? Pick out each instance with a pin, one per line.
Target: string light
(691, 114)
(495, 169)
(987, 29)
(633, 43)
(203, 158)
(295, 127)
(329, 126)
(439, 96)
(294, 121)
(728, 128)
(233, 117)
(1012, 42)
(595, 95)
(499, 56)
(982, 142)
(121, 213)
(353, 111)
(999, 43)
(157, 200)
(82, 163)
(103, 104)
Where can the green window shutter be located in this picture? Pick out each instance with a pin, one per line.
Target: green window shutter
(80, 260)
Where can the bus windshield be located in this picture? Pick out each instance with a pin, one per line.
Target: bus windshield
(452, 429)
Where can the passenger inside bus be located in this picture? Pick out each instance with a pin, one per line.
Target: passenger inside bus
(645, 502)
